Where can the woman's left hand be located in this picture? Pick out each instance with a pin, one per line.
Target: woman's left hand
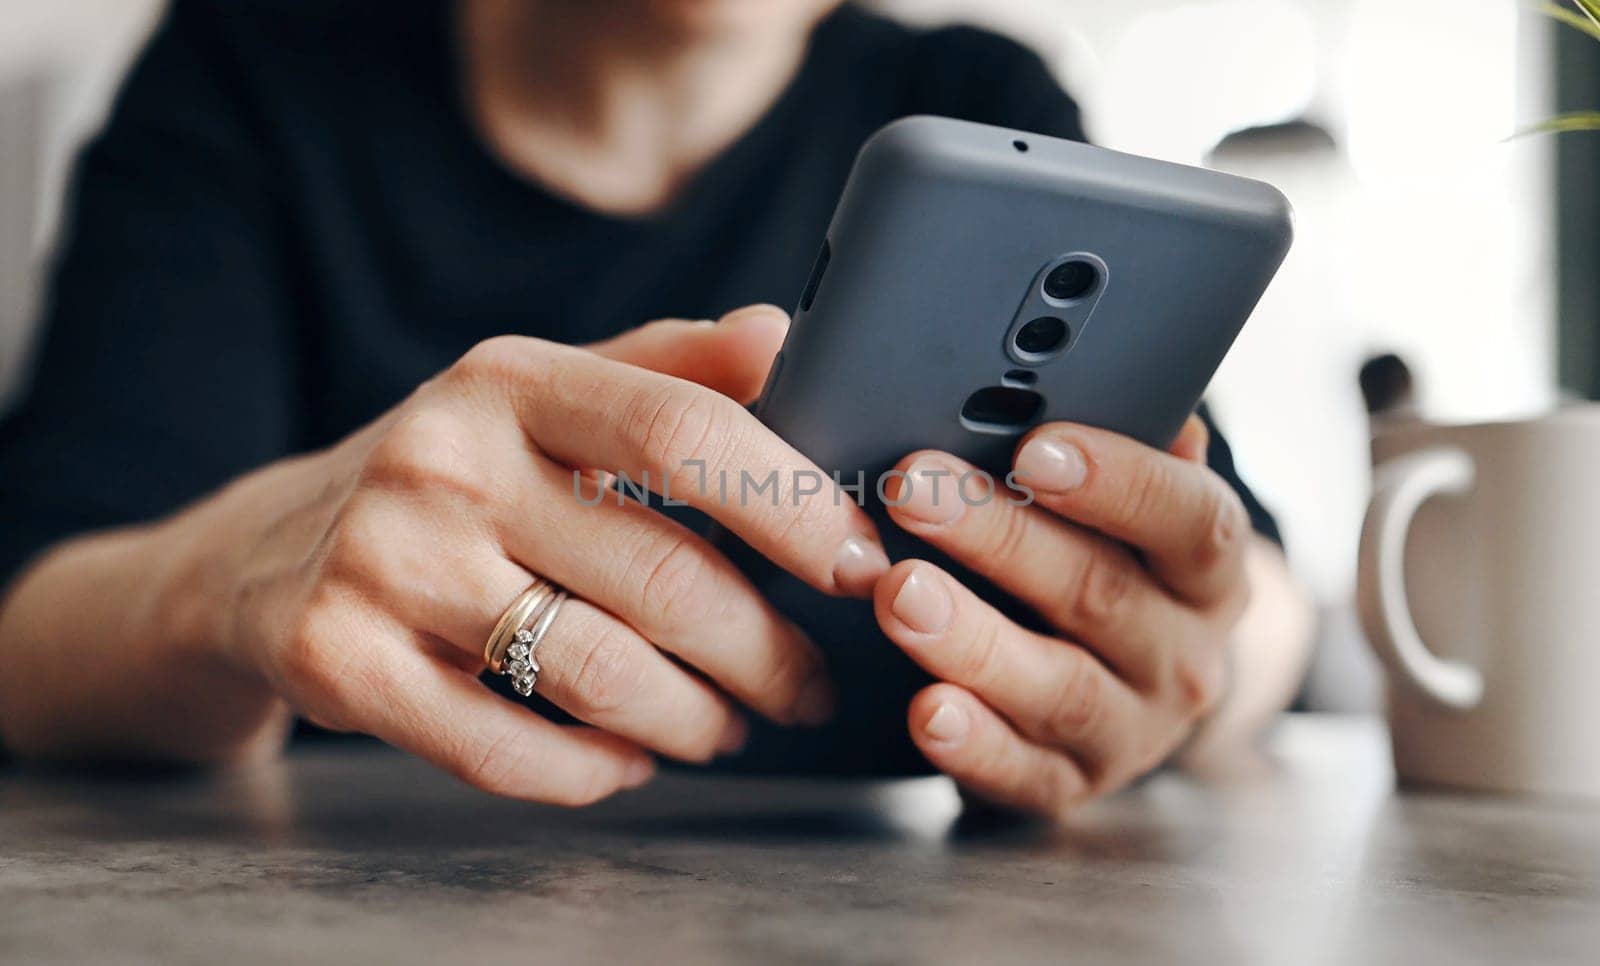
(1136, 559)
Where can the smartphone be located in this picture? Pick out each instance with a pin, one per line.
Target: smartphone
(975, 282)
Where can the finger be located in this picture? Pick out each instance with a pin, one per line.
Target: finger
(677, 591)
(395, 691)
(968, 741)
(1190, 524)
(595, 667)
(1193, 440)
(1082, 583)
(731, 356)
(698, 447)
(600, 670)
(1054, 692)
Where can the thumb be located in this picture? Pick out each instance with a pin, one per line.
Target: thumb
(731, 356)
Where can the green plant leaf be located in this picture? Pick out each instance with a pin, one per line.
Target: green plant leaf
(1576, 21)
(1590, 8)
(1562, 123)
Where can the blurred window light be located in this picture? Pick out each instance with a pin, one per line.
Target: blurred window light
(1181, 78)
(1433, 87)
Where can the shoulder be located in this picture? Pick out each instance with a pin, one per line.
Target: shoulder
(265, 72)
(960, 71)
(267, 22)
(308, 37)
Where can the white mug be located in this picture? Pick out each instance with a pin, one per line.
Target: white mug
(1479, 588)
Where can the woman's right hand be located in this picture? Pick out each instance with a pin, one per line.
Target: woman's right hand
(374, 571)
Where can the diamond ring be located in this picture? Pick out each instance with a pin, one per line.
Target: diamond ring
(511, 648)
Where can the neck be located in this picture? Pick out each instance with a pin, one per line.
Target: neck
(616, 103)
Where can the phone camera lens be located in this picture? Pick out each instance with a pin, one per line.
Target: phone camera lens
(1070, 280)
(1042, 336)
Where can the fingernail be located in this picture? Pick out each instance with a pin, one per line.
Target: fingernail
(816, 702)
(638, 772)
(1049, 465)
(948, 724)
(858, 566)
(752, 312)
(930, 492)
(923, 604)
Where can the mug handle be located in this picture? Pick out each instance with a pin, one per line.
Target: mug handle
(1400, 487)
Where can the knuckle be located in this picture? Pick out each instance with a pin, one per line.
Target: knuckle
(980, 660)
(610, 674)
(1104, 587)
(781, 677)
(1079, 704)
(314, 667)
(1059, 790)
(498, 359)
(1144, 492)
(303, 656)
(676, 426)
(1224, 524)
(1200, 685)
(1144, 755)
(677, 583)
(352, 550)
(509, 367)
(1007, 543)
(424, 450)
(494, 767)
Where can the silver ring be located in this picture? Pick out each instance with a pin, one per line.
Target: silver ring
(522, 660)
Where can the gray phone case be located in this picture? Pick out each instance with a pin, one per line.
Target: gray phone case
(935, 256)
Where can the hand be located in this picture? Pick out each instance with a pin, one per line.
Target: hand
(1136, 558)
(379, 567)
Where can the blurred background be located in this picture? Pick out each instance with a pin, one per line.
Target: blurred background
(1421, 229)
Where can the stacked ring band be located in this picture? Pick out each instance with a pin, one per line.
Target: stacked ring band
(511, 647)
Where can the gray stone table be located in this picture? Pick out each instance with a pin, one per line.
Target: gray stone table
(358, 855)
